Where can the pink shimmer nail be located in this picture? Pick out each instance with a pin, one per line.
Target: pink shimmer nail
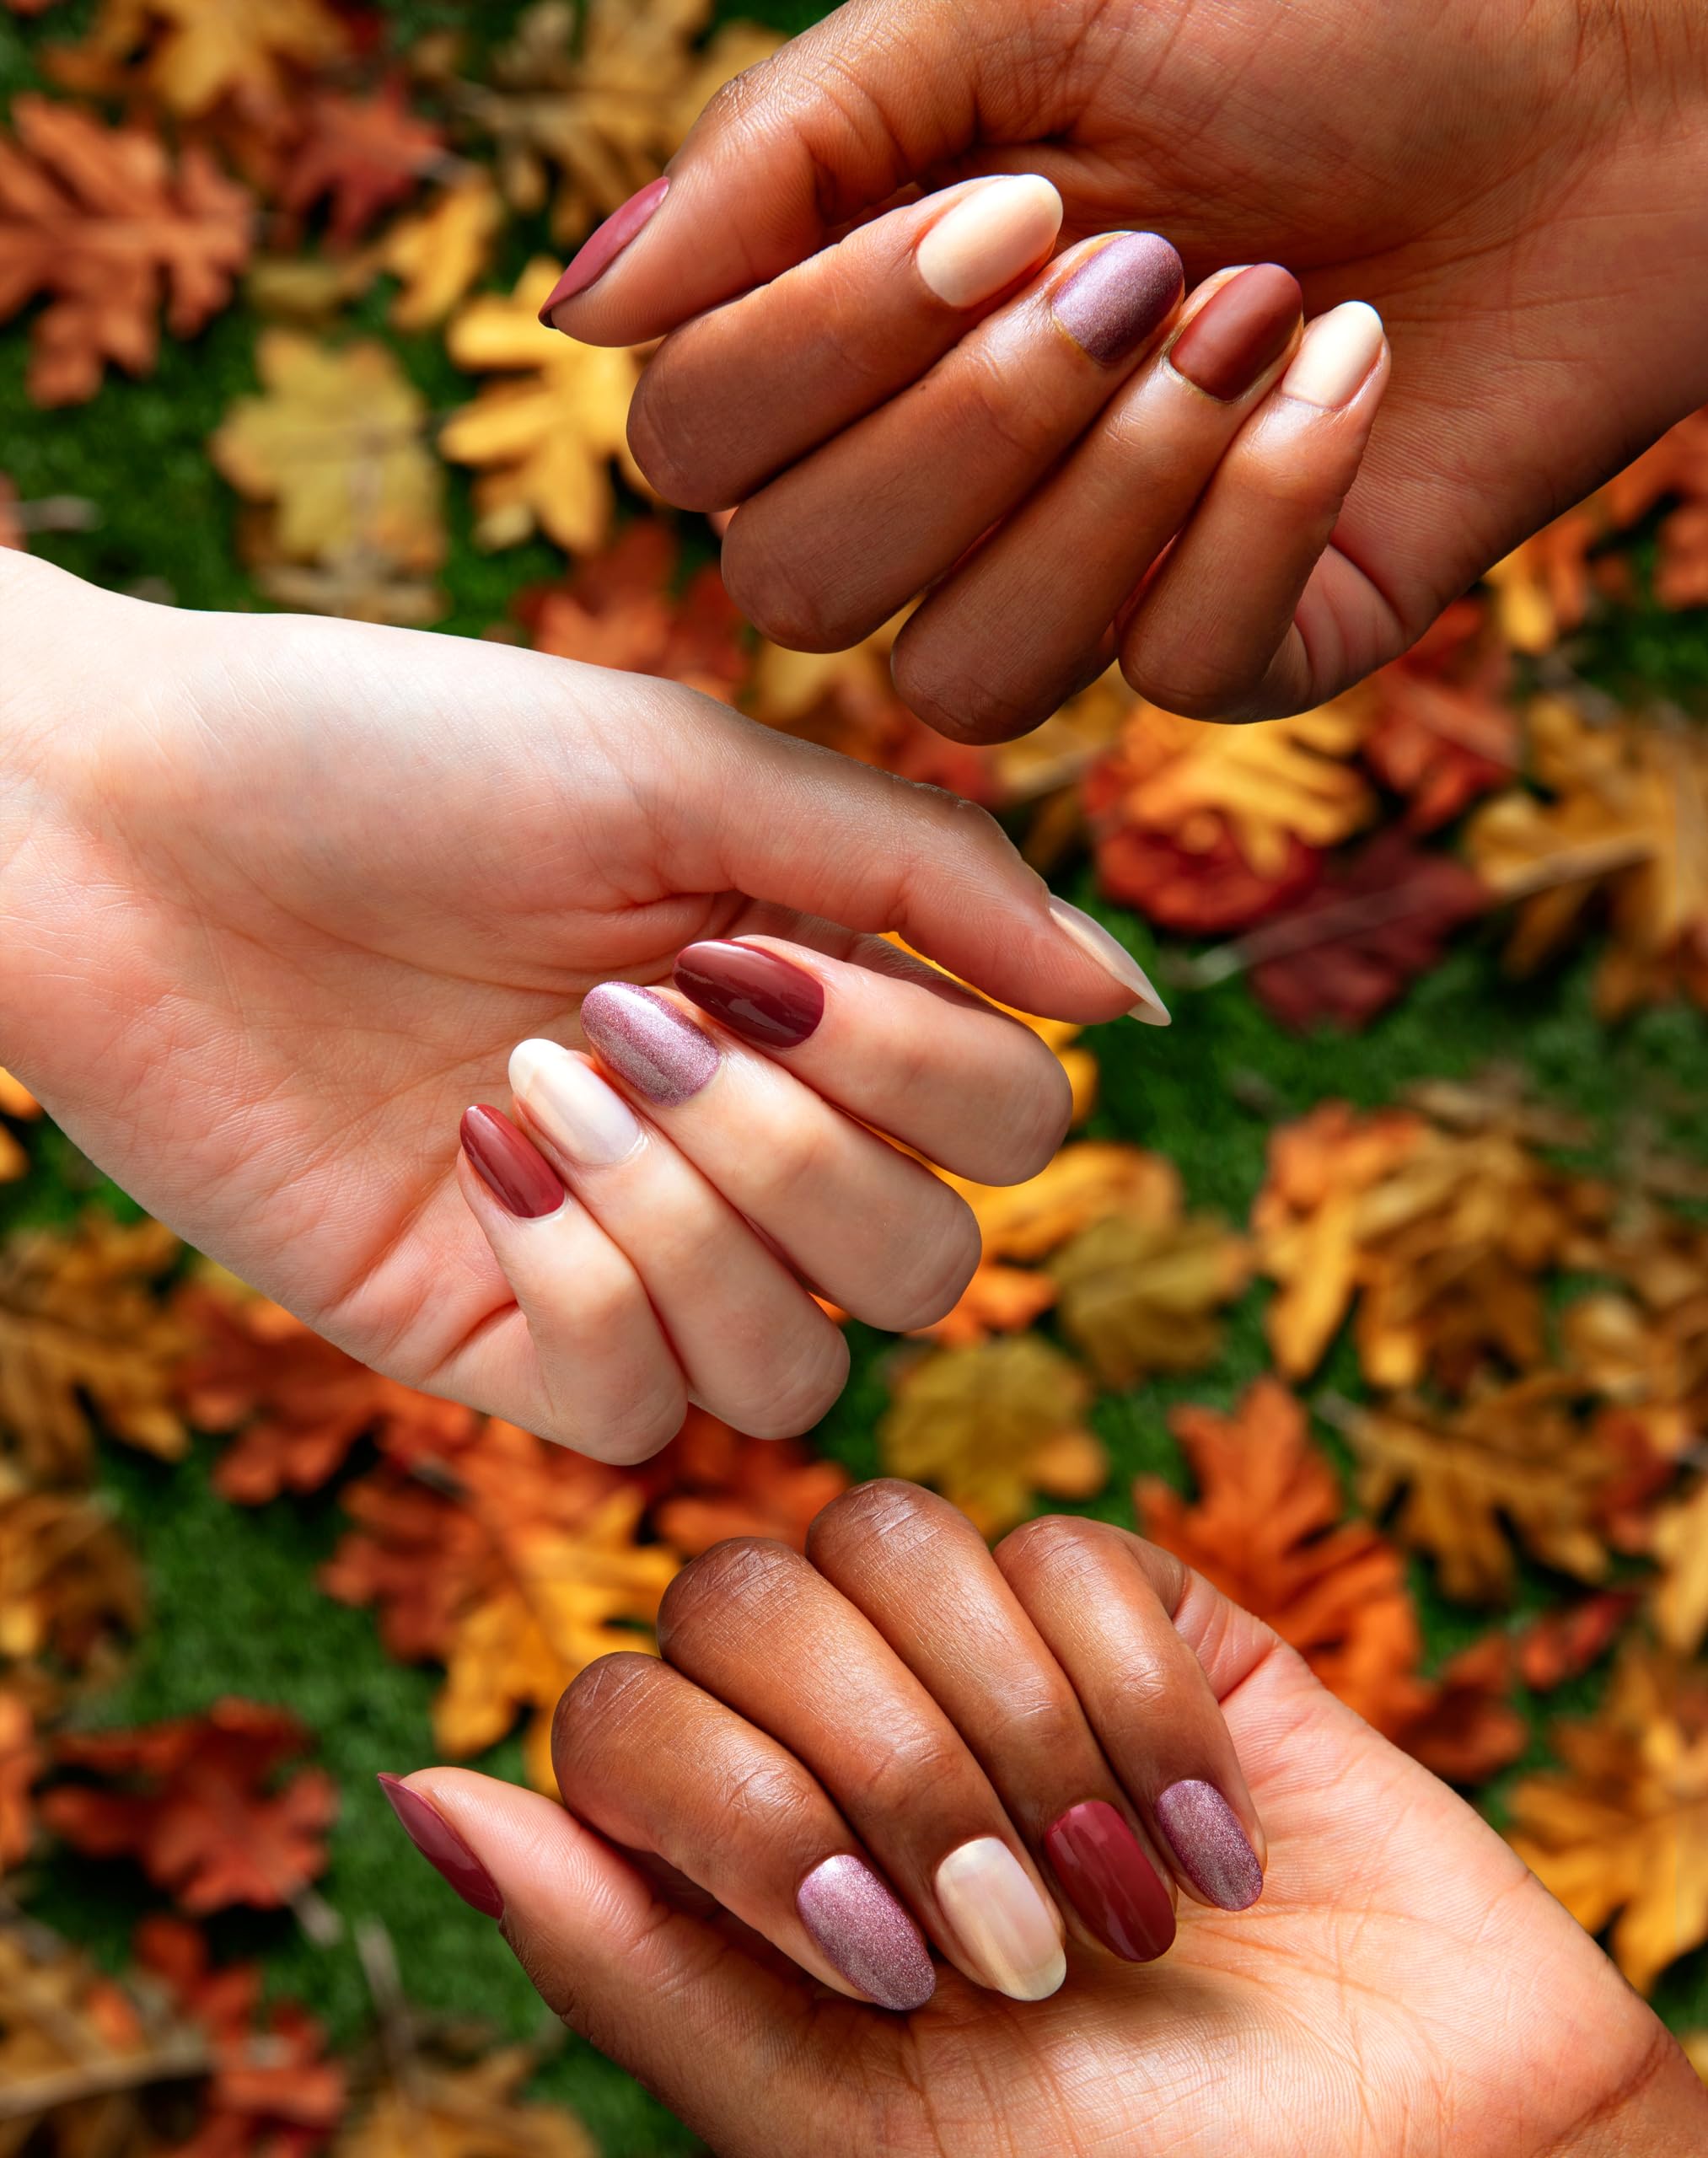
(646, 1040)
(1204, 1834)
(597, 255)
(865, 1933)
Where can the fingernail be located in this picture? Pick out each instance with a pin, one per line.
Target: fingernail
(1096, 942)
(755, 994)
(1003, 1925)
(1240, 330)
(1119, 298)
(1205, 1834)
(1335, 361)
(602, 248)
(443, 1848)
(646, 1040)
(586, 1121)
(1114, 1887)
(984, 241)
(865, 1933)
(517, 1175)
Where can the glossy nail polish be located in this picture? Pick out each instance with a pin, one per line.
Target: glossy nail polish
(755, 994)
(1118, 298)
(1115, 958)
(865, 1933)
(647, 1041)
(443, 1848)
(982, 242)
(571, 1107)
(1005, 1930)
(1333, 362)
(1241, 330)
(602, 248)
(1102, 1865)
(517, 1175)
(1205, 1834)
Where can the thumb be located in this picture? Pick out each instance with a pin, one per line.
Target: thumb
(830, 126)
(790, 823)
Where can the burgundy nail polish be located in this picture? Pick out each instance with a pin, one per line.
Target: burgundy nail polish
(600, 251)
(755, 994)
(865, 1933)
(1205, 1834)
(646, 1040)
(515, 1173)
(1119, 298)
(1241, 329)
(1114, 1886)
(443, 1848)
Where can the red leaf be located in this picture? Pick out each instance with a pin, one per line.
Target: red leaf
(365, 155)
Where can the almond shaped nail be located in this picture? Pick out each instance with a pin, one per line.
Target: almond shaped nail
(1005, 1930)
(647, 1041)
(443, 1848)
(1215, 1853)
(982, 242)
(864, 1932)
(755, 994)
(602, 248)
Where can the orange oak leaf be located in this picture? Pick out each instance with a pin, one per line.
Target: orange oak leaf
(1443, 733)
(363, 155)
(21, 1763)
(1565, 1643)
(712, 1482)
(97, 222)
(201, 1805)
(616, 609)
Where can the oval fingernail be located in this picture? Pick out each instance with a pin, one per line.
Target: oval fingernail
(646, 1040)
(1005, 1928)
(865, 1933)
(1119, 298)
(443, 1848)
(1114, 1887)
(570, 1105)
(752, 992)
(1204, 1834)
(605, 244)
(983, 242)
(1335, 361)
(518, 1175)
(1241, 330)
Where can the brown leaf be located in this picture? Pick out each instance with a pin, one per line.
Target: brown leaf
(1443, 732)
(194, 55)
(712, 1482)
(21, 1763)
(616, 610)
(201, 1807)
(1565, 1643)
(70, 1588)
(12, 532)
(1136, 1298)
(97, 222)
(75, 2053)
(1680, 1543)
(1469, 1731)
(474, 2111)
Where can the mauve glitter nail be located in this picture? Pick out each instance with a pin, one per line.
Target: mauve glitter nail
(646, 1040)
(1205, 1834)
(1119, 297)
(756, 995)
(865, 1933)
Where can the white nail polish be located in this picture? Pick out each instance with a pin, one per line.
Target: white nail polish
(1005, 1930)
(1338, 350)
(571, 1107)
(983, 242)
(1096, 942)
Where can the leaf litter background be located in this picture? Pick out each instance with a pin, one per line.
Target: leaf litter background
(1376, 1287)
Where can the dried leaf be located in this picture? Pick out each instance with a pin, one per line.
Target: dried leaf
(70, 1588)
(465, 2112)
(1468, 1730)
(363, 156)
(441, 254)
(991, 1425)
(1680, 1543)
(202, 1809)
(1137, 1297)
(545, 438)
(712, 1482)
(1443, 732)
(1623, 1826)
(98, 222)
(195, 54)
(1565, 1643)
(616, 610)
(21, 1763)
(12, 535)
(63, 2023)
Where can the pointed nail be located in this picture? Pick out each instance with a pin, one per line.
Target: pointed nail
(605, 245)
(756, 995)
(1115, 958)
(1115, 1889)
(443, 1848)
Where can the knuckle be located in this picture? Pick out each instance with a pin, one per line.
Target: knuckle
(797, 1396)
(888, 1780)
(946, 691)
(747, 1575)
(801, 1154)
(600, 1698)
(888, 1515)
(1031, 1130)
(1057, 1550)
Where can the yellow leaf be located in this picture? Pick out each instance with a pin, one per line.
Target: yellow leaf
(1680, 1543)
(442, 253)
(465, 2112)
(196, 53)
(1137, 1297)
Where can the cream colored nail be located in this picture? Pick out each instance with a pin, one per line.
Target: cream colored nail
(1338, 350)
(984, 241)
(570, 1106)
(1005, 1930)
(1096, 942)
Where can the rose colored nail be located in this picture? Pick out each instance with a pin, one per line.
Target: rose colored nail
(1240, 330)
(1205, 1834)
(443, 1848)
(865, 1933)
(755, 994)
(984, 241)
(1118, 298)
(515, 1173)
(1114, 1887)
(1335, 361)
(598, 252)
(646, 1040)
(1115, 958)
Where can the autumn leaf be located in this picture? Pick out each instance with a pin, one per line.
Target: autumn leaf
(1622, 1827)
(616, 610)
(1565, 1643)
(543, 438)
(1203, 890)
(62, 2022)
(442, 252)
(1137, 1297)
(201, 1806)
(1443, 732)
(472, 2112)
(991, 1425)
(1679, 1543)
(21, 1763)
(97, 222)
(712, 1482)
(363, 156)
(194, 54)
(80, 1324)
(70, 1588)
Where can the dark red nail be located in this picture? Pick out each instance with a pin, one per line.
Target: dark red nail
(443, 1848)
(1241, 329)
(1114, 1887)
(755, 994)
(1118, 298)
(517, 1176)
(606, 245)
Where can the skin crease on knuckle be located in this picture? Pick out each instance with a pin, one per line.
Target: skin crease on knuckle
(877, 1523)
(1069, 1554)
(732, 1588)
